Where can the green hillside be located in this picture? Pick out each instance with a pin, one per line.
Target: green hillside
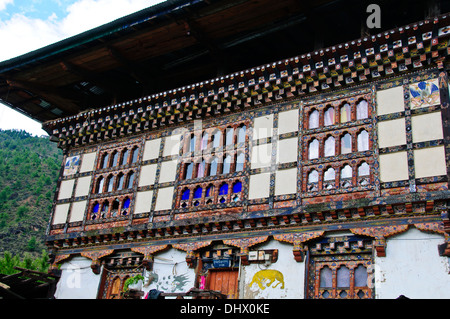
(29, 169)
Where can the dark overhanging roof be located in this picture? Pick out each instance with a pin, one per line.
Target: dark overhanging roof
(178, 43)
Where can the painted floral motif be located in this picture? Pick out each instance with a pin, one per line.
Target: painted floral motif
(425, 93)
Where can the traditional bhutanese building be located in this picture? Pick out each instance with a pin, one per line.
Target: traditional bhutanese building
(262, 149)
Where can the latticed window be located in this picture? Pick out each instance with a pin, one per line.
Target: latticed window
(214, 157)
(341, 268)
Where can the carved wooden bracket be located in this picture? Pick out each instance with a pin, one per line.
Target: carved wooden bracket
(298, 239)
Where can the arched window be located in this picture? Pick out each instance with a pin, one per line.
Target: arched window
(105, 160)
(329, 149)
(135, 155)
(204, 144)
(100, 184)
(213, 166)
(328, 116)
(201, 169)
(363, 141)
(125, 154)
(115, 159)
(362, 110)
(186, 193)
(346, 143)
(130, 179)
(110, 183)
(329, 174)
(313, 149)
(115, 208)
(313, 179)
(95, 211)
(314, 119)
(329, 178)
(192, 142)
(209, 191)
(360, 276)
(237, 187)
(120, 182)
(363, 169)
(217, 136)
(363, 174)
(229, 136)
(313, 176)
(346, 113)
(126, 206)
(346, 171)
(241, 134)
(227, 164)
(240, 158)
(189, 168)
(326, 277)
(198, 192)
(105, 209)
(223, 190)
(343, 277)
(346, 176)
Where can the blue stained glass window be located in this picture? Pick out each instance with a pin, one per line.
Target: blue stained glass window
(198, 192)
(209, 191)
(223, 189)
(237, 187)
(185, 195)
(96, 208)
(126, 203)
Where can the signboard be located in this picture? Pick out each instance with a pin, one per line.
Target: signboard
(222, 263)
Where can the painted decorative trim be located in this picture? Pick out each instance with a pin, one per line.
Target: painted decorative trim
(297, 240)
(148, 252)
(244, 244)
(95, 256)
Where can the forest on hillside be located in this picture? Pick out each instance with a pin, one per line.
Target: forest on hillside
(29, 169)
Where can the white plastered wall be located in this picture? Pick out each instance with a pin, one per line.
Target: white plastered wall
(286, 181)
(143, 202)
(287, 122)
(263, 127)
(430, 162)
(261, 156)
(164, 198)
(66, 189)
(151, 149)
(412, 267)
(394, 167)
(77, 280)
(259, 186)
(286, 268)
(77, 212)
(390, 101)
(170, 273)
(88, 162)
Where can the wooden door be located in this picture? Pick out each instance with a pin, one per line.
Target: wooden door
(225, 281)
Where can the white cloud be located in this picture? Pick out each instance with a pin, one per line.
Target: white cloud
(4, 3)
(84, 15)
(21, 34)
(10, 120)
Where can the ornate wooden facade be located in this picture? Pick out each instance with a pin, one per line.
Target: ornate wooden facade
(332, 152)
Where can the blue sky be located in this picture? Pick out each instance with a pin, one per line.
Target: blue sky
(27, 25)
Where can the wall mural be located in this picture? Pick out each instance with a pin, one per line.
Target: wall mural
(265, 278)
(424, 93)
(169, 283)
(71, 165)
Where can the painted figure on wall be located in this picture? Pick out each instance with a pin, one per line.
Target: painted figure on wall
(265, 278)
